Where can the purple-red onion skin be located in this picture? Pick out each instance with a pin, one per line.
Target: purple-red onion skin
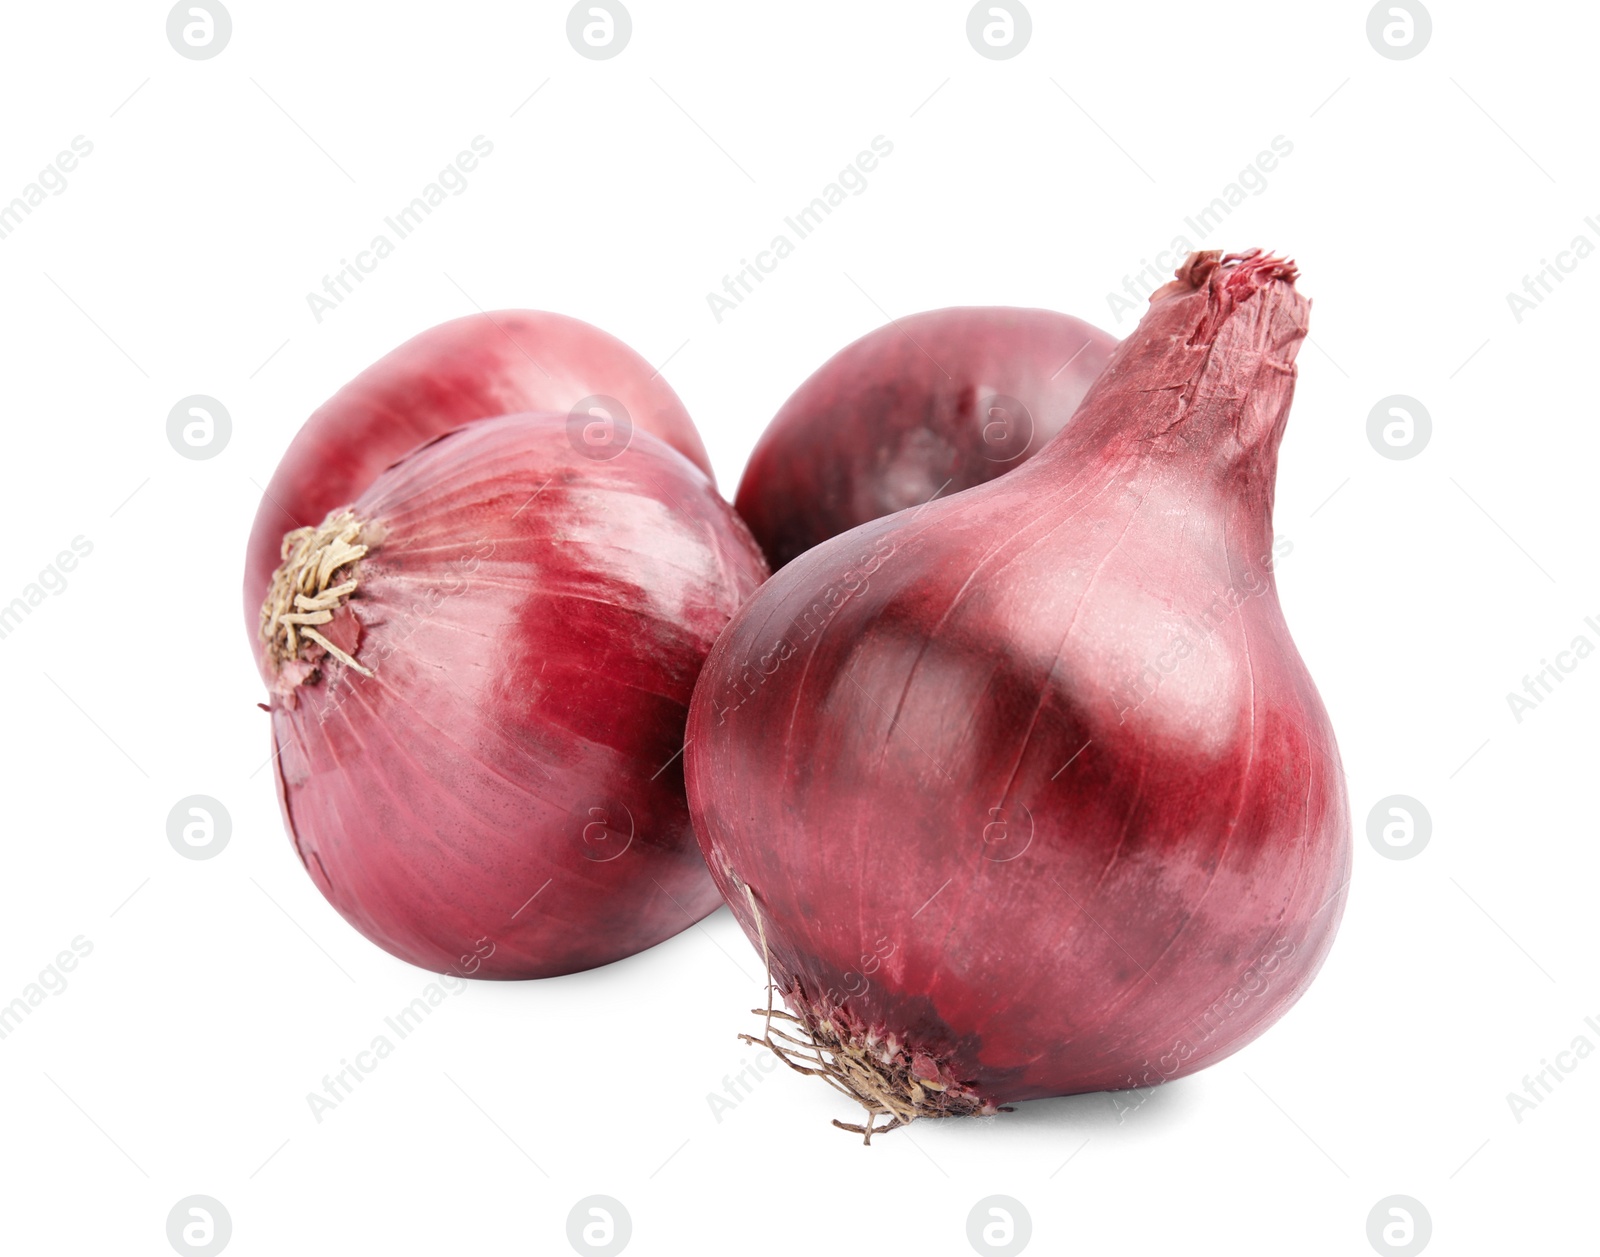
(499, 363)
(503, 797)
(970, 828)
(922, 406)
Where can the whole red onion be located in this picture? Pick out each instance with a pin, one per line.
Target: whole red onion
(481, 672)
(499, 363)
(932, 403)
(1028, 792)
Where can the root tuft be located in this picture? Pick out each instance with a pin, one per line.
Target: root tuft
(315, 579)
(891, 1082)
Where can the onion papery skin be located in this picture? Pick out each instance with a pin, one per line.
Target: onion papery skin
(933, 403)
(992, 824)
(502, 797)
(500, 363)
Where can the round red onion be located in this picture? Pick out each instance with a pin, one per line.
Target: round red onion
(933, 403)
(481, 672)
(1028, 792)
(470, 368)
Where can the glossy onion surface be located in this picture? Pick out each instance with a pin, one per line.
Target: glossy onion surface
(1030, 787)
(495, 788)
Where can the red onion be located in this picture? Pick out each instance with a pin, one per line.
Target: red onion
(935, 402)
(1028, 792)
(481, 673)
(470, 368)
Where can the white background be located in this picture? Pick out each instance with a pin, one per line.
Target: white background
(219, 992)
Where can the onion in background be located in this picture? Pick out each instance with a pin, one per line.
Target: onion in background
(927, 406)
(500, 363)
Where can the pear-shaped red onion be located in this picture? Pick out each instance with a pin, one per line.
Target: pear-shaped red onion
(498, 363)
(482, 670)
(930, 404)
(1027, 792)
